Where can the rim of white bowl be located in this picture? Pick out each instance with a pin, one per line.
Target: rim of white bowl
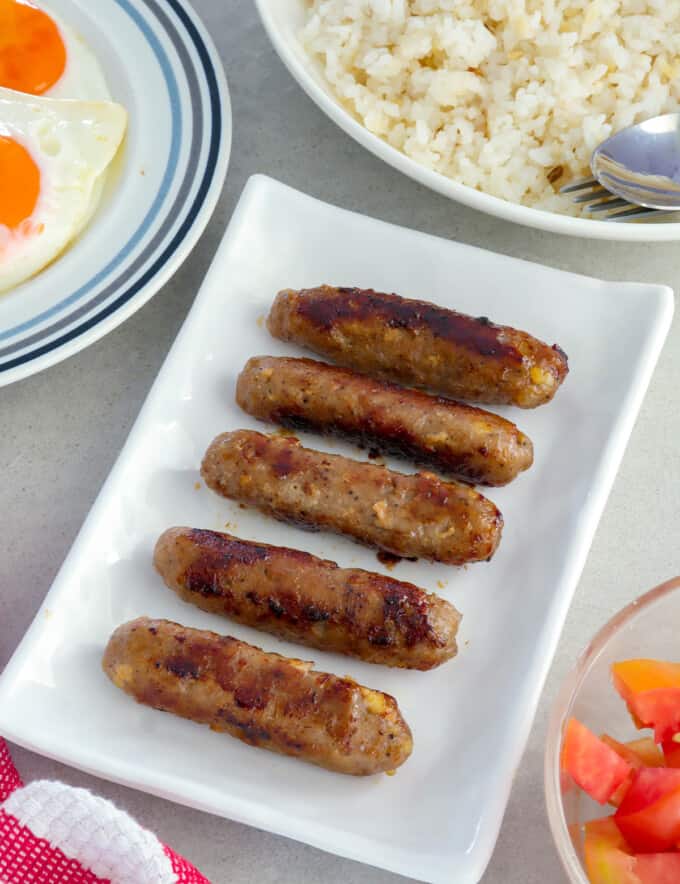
(475, 199)
(560, 713)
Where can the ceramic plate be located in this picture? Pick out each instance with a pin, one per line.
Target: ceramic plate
(438, 818)
(160, 63)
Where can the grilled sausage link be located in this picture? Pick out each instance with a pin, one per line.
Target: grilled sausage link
(457, 439)
(409, 516)
(266, 700)
(300, 598)
(418, 343)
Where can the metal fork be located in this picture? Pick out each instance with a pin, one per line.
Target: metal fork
(634, 172)
(608, 206)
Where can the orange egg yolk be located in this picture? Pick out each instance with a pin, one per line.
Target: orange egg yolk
(32, 53)
(20, 186)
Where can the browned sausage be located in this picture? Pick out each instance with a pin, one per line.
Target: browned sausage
(266, 700)
(467, 442)
(303, 599)
(419, 515)
(418, 343)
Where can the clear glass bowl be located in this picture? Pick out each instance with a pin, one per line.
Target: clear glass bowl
(648, 627)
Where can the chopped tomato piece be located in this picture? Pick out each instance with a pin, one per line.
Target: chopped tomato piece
(617, 797)
(651, 689)
(647, 751)
(649, 815)
(649, 785)
(638, 753)
(671, 753)
(658, 868)
(606, 854)
(595, 767)
(608, 858)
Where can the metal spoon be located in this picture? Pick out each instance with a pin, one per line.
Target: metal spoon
(641, 164)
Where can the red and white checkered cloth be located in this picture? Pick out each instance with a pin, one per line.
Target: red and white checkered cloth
(54, 834)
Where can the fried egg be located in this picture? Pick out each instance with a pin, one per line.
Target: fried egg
(53, 154)
(40, 54)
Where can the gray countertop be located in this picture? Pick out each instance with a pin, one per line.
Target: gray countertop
(61, 431)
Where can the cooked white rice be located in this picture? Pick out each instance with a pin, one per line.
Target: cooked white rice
(507, 96)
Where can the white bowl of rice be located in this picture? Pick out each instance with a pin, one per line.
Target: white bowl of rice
(493, 103)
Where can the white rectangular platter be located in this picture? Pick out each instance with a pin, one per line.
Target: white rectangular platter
(437, 819)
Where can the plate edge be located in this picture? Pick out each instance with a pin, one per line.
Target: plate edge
(250, 192)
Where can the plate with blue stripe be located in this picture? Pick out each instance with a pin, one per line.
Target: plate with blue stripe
(161, 64)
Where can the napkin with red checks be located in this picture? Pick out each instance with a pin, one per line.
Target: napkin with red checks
(54, 834)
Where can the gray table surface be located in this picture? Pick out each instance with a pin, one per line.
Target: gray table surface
(61, 430)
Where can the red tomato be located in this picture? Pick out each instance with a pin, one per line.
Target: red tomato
(618, 796)
(595, 767)
(651, 689)
(638, 753)
(649, 785)
(606, 855)
(649, 815)
(658, 868)
(647, 751)
(608, 859)
(671, 752)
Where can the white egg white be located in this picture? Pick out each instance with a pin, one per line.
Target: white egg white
(72, 143)
(83, 78)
